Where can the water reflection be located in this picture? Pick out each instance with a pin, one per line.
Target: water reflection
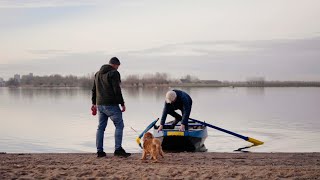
(146, 92)
(32, 93)
(133, 91)
(59, 119)
(255, 91)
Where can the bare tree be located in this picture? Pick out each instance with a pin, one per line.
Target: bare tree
(189, 79)
(133, 80)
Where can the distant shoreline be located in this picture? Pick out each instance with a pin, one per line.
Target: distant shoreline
(150, 80)
(195, 85)
(232, 85)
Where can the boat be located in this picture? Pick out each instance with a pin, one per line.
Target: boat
(191, 140)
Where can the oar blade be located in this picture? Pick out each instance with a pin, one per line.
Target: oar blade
(255, 141)
(138, 141)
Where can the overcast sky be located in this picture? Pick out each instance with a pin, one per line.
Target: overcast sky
(212, 39)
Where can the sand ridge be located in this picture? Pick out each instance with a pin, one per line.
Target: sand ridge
(173, 166)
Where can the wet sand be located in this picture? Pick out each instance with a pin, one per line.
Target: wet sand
(173, 166)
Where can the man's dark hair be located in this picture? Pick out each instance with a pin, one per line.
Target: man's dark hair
(115, 61)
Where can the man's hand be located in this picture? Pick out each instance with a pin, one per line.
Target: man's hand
(182, 127)
(123, 108)
(94, 109)
(160, 128)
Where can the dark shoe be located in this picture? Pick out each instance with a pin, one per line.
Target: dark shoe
(121, 153)
(101, 154)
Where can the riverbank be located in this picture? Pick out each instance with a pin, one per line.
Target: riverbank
(200, 83)
(173, 166)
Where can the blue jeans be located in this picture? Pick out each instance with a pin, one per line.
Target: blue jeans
(115, 115)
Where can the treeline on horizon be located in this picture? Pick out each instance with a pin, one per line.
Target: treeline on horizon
(156, 79)
(58, 80)
(55, 80)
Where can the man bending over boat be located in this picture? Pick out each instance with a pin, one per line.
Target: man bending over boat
(176, 99)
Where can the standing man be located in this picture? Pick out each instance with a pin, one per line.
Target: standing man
(106, 97)
(177, 99)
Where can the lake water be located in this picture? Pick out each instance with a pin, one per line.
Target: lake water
(60, 120)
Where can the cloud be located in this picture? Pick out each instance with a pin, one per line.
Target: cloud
(201, 48)
(284, 59)
(47, 3)
(214, 48)
(49, 51)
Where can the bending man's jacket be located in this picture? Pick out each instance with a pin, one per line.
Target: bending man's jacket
(183, 103)
(106, 88)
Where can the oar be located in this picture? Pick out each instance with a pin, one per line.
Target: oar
(146, 130)
(249, 139)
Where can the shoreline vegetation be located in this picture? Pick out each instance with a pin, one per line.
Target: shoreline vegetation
(150, 80)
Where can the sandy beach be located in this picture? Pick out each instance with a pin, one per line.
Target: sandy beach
(173, 166)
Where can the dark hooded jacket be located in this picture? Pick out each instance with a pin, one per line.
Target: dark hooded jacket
(106, 88)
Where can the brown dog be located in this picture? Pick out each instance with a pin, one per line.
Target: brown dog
(151, 146)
